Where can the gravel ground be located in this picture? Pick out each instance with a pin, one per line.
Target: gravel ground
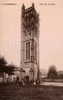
(11, 92)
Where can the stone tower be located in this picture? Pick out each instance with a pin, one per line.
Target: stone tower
(29, 43)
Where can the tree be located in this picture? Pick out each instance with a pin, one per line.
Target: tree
(52, 72)
(5, 68)
(10, 69)
(3, 63)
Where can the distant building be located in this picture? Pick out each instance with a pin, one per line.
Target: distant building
(29, 43)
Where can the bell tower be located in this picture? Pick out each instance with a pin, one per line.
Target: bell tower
(29, 42)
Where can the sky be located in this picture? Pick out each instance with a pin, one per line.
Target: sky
(50, 37)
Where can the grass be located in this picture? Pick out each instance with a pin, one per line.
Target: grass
(11, 92)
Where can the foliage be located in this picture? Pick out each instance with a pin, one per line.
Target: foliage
(52, 72)
(6, 68)
(3, 63)
(10, 69)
